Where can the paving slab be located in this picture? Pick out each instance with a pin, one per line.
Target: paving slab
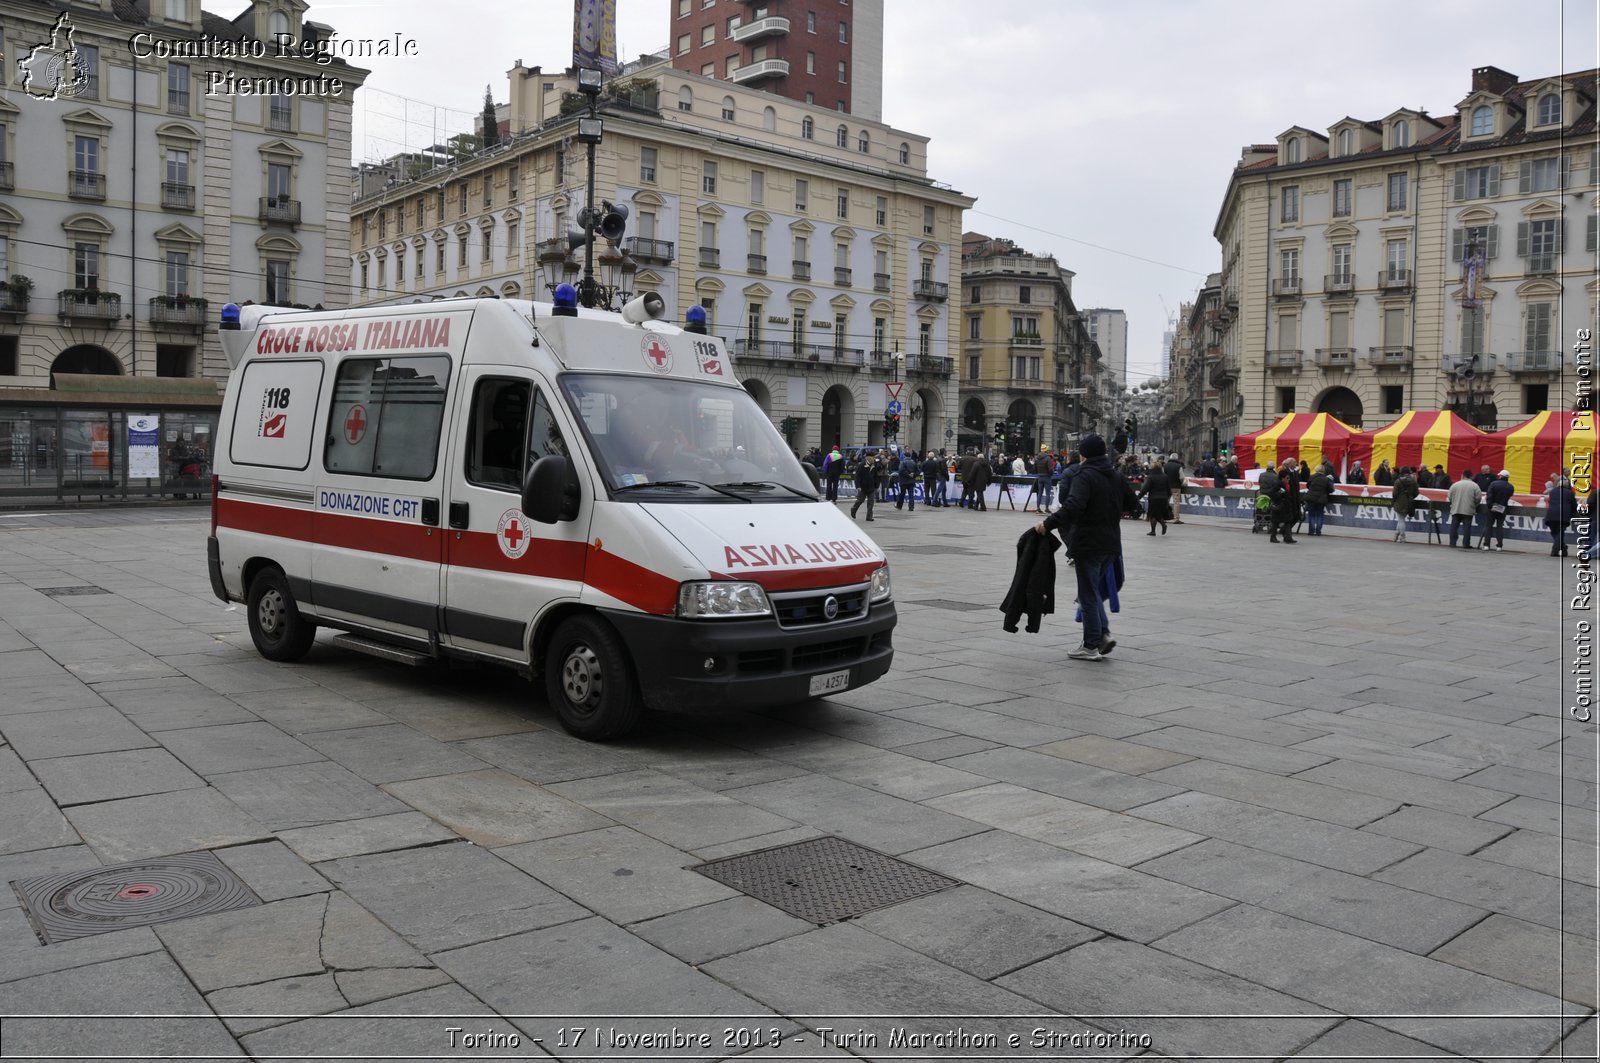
(1406, 787)
(264, 1005)
(1077, 782)
(27, 957)
(875, 820)
(1311, 840)
(570, 970)
(975, 931)
(1293, 795)
(618, 872)
(1546, 817)
(30, 820)
(47, 693)
(1094, 893)
(1116, 984)
(220, 748)
(185, 821)
(1542, 785)
(1442, 830)
(981, 723)
(1538, 957)
(71, 732)
(671, 810)
(301, 709)
(445, 896)
(1354, 1041)
(1096, 832)
(1219, 721)
(251, 945)
(1386, 753)
(171, 702)
(945, 748)
(451, 719)
(1363, 978)
(364, 987)
(1481, 883)
(272, 871)
(721, 928)
(1112, 754)
(384, 1029)
(869, 727)
(547, 757)
(493, 807)
(390, 753)
(1565, 858)
(758, 844)
(302, 795)
(357, 837)
(705, 759)
(108, 776)
(39, 863)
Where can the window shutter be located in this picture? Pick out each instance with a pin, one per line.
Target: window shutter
(1522, 239)
(1492, 242)
(1525, 176)
(1561, 172)
(1589, 233)
(1457, 239)
(1561, 237)
(1461, 185)
(1494, 180)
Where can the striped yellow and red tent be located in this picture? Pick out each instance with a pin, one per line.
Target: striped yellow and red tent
(1427, 438)
(1305, 436)
(1544, 444)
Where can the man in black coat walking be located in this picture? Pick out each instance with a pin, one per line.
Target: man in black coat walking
(1286, 502)
(866, 484)
(1095, 502)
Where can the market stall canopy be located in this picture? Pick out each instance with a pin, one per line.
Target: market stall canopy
(1305, 436)
(1543, 445)
(1425, 438)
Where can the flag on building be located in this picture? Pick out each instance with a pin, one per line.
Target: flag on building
(594, 35)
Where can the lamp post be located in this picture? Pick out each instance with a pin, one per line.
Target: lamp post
(590, 129)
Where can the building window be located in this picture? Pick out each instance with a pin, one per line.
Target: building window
(488, 192)
(708, 36)
(1394, 326)
(1025, 294)
(881, 215)
(1291, 150)
(1341, 263)
(280, 178)
(89, 70)
(880, 328)
(488, 243)
(683, 44)
(753, 324)
(1549, 109)
(1540, 244)
(278, 282)
(440, 204)
(728, 111)
(1472, 330)
(864, 142)
(1402, 135)
(1397, 191)
(1286, 400)
(708, 236)
(86, 266)
(647, 166)
(280, 113)
(769, 119)
(1339, 330)
(1542, 175)
(1394, 398)
(708, 70)
(1537, 330)
(418, 259)
(1482, 120)
(844, 33)
(177, 10)
(1291, 203)
(1397, 256)
(808, 129)
(683, 8)
(86, 154)
(461, 205)
(841, 72)
(1343, 142)
(975, 327)
(801, 188)
(1289, 267)
(1341, 198)
(1477, 182)
(927, 221)
(977, 294)
(758, 187)
(461, 250)
(905, 154)
(811, 62)
(422, 211)
(438, 258)
(842, 203)
(708, 178)
(733, 24)
(399, 218)
(686, 99)
(178, 88)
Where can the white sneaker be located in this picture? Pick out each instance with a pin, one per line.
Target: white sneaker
(1085, 653)
(1499, 548)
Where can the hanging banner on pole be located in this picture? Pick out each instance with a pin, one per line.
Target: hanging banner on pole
(144, 446)
(594, 35)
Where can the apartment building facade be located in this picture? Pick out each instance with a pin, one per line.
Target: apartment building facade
(1109, 329)
(816, 242)
(1194, 412)
(147, 181)
(1027, 360)
(1414, 261)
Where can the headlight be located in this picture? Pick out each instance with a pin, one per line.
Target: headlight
(880, 584)
(721, 598)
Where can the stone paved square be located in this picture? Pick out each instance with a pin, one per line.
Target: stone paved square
(1238, 812)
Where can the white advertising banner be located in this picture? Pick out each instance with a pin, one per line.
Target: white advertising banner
(144, 446)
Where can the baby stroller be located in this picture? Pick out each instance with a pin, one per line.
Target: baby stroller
(1263, 516)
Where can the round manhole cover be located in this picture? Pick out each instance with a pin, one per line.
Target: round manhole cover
(141, 893)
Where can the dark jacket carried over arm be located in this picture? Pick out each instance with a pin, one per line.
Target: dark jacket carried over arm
(1033, 584)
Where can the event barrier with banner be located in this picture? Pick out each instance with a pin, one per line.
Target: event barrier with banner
(1371, 508)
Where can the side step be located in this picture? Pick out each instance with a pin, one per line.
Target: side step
(387, 650)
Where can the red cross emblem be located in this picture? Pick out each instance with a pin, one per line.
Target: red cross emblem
(514, 534)
(656, 354)
(355, 425)
(510, 534)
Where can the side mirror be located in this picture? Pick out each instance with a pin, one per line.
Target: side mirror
(812, 475)
(551, 493)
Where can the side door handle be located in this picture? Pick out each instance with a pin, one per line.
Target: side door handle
(460, 513)
(430, 512)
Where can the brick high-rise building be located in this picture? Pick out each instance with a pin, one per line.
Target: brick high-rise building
(811, 51)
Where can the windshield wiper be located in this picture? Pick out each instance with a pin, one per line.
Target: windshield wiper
(683, 483)
(762, 485)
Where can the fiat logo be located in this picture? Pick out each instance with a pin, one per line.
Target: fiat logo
(830, 608)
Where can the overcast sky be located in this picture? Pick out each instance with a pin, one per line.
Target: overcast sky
(1100, 132)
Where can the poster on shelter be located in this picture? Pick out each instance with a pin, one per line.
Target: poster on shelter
(144, 446)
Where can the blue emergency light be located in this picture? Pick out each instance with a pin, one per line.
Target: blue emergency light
(230, 317)
(566, 301)
(695, 320)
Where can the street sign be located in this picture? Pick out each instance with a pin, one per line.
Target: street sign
(893, 407)
(894, 389)
(1074, 391)
(948, 435)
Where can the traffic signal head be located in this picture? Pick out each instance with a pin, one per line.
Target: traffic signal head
(999, 429)
(894, 424)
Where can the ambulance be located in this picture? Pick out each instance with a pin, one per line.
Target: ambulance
(589, 497)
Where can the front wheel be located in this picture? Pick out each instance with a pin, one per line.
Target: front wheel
(589, 680)
(276, 626)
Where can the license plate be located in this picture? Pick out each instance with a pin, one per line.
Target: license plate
(832, 681)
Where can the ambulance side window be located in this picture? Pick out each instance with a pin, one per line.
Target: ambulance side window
(511, 427)
(386, 417)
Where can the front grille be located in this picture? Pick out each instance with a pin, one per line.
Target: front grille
(808, 608)
(840, 651)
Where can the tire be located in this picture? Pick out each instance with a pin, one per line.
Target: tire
(589, 680)
(276, 626)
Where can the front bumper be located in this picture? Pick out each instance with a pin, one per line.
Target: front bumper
(756, 663)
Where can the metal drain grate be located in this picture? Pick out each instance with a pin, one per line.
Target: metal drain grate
(67, 592)
(142, 893)
(946, 603)
(825, 880)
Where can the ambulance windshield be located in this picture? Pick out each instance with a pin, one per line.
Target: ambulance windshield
(653, 437)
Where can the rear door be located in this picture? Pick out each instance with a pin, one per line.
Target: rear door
(501, 568)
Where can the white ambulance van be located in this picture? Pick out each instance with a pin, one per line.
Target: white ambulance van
(587, 496)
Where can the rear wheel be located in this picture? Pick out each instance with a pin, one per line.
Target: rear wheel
(276, 626)
(589, 680)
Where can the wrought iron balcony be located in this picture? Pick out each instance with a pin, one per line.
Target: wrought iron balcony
(1336, 284)
(279, 210)
(1520, 363)
(760, 71)
(1225, 370)
(1389, 357)
(645, 249)
(841, 276)
(881, 282)
(8, 176)
(86, 184)
(89, 306)
(13, 302)
(176, 196)
(929, 365)
(186, 315)
(1288, 360)
(930, 291)
(710, 258)
(1286, 287)
(1394, 280)
(1335, 357)
(757, 263)
(1027, 339)
(801, 271)
(773, 26)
